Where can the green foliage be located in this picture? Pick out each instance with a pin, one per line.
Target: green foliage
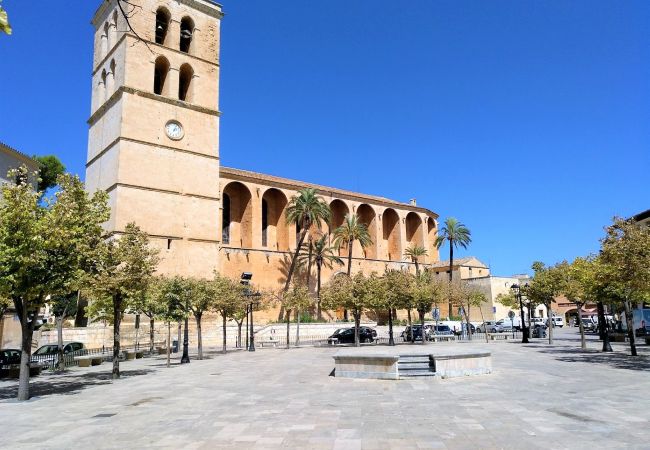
(170, 297)
(427, 289)
(625, 255)
(50, 168)
(64, 306)
(350, 231)
(321, 253)
(229, 296)
(4, 21)
(508, 300)
(414, 252)
(307, 209)
(454, 232)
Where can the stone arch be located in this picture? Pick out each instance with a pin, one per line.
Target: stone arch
(163, 18)
(414, 230)
(368, 217)
(110, 79)
(185, 83)
(339, 210)
(161, 71)
(275, 231)
(187, 34)
(237, 219)
(432, 233)
(392, 234)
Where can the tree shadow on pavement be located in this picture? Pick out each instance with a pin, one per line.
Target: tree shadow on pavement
(616, 360)
(65, 384)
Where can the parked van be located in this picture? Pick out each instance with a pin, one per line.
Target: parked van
(558, 321)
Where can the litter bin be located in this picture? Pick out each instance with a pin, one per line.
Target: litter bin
(175, 346)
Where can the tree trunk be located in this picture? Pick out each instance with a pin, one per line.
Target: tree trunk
(239, 325)
(117, 318)
(410, 335)
(603, 328)
(357, 321)
(169, 342)
(59, 336)
(288, 325)
(292, 267)
(583, 342)
(551, 324)
(350, 242)
(297, 327)
(309, 265)
(391, 340)
(199, 337)
(630, 327)
(151, 332)
(469, 327)
(223, 330)
(451, 273)
(27, 329)
(319, 311)
(417, 266)
(487, 341)
(421, 312)
(180, 329)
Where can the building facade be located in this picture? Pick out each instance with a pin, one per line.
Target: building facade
(154, 147)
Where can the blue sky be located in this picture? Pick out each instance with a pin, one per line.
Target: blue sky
(526, 120)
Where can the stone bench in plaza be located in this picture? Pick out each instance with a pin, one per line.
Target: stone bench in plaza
(443, 337)
(384, 364)
(498, 336)
(268, 342)
(89, 360)
(133, 354)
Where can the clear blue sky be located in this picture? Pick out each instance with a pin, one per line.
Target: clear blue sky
(527, 120)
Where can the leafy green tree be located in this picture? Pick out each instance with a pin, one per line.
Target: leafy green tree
(415, 252)
(578, 281)
(467, 297)
(456, 235)
(44, 248)
(323, 256)
(50, 168)
(229, 299)
(426, 290)
(625, 254)
(352, 230)
(305, 210)
(63, 307)
(397, 295)
(170, 297)
(296, 299)
(202, 299)
(124, 267)
(4, 21)
(543, 288)
(151, 305)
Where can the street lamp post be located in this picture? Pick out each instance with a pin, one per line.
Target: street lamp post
(511, 315)
(517, 290)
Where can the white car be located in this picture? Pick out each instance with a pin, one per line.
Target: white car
(557, 321)
(489, 326)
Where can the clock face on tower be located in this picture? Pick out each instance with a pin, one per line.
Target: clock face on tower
(174, 130)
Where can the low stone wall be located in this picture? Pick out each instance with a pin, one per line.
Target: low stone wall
(460, 365)
(376, 366)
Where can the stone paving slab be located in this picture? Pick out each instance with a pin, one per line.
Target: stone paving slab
(538, 396)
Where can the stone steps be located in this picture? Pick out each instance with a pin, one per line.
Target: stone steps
(414, 366)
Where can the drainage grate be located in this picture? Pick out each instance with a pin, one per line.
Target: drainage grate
(103, 415)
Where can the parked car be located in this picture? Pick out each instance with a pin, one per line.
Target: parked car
(589, 324)
(489, 326)
(346, 335)
(417, 333)
(506, 324)
(9, 356)
(442, 330)
(48, 354)
(534, 321)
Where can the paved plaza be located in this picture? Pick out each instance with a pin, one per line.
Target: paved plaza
(538, 397)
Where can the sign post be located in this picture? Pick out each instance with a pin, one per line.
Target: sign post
(511, 315)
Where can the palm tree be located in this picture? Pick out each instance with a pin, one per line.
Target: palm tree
(322, 255)
(305, 209)
(351, 230)
(457, 235)
(414, 252)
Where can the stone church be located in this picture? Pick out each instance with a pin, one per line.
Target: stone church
(154, 147)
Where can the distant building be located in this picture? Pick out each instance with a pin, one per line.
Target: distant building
(10, 158)
(643, 217)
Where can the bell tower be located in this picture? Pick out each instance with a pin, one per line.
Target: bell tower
(154, 127)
